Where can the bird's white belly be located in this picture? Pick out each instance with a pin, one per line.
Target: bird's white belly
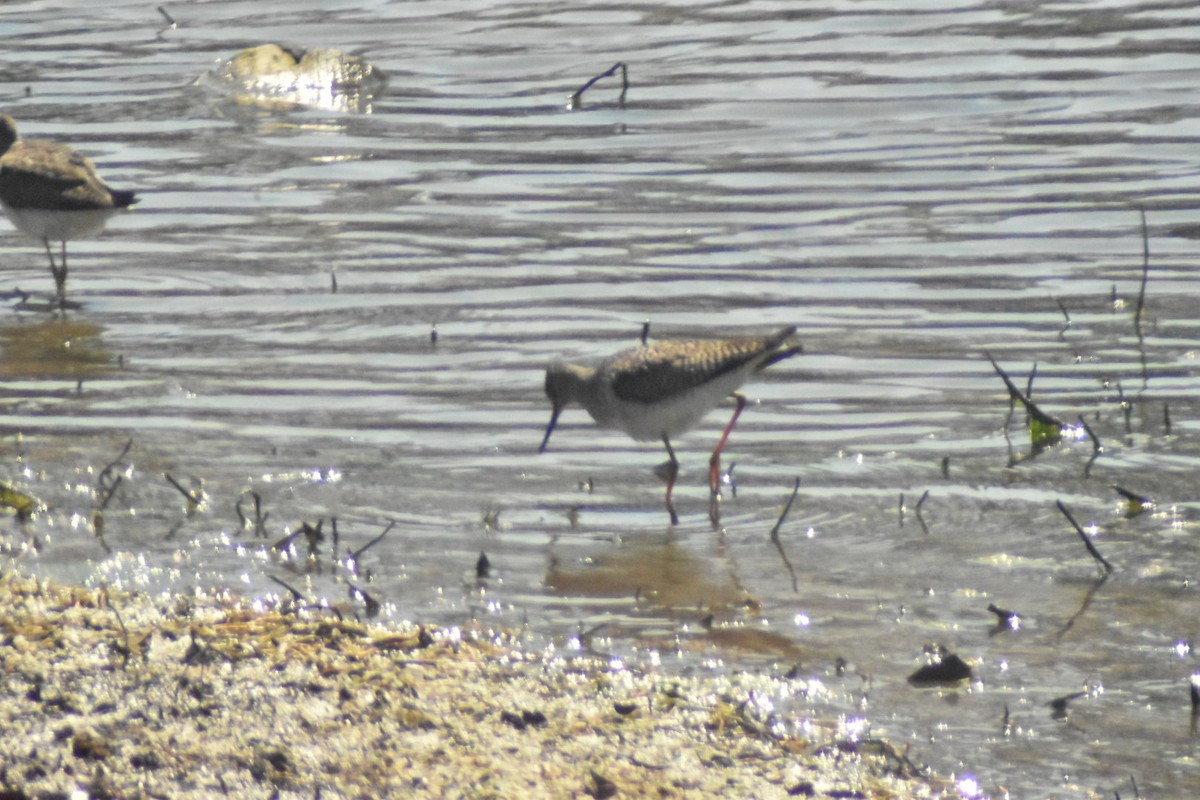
(58, 226)
(650, 421)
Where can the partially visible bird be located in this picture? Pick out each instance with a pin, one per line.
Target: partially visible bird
(52, 193)
(660, 390)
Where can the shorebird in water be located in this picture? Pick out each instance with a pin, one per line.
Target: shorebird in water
(53, 194)
(660, 390)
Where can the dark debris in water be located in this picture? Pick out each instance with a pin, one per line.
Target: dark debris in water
(944, 669)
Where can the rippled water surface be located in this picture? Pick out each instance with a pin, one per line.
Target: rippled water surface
(912, 185)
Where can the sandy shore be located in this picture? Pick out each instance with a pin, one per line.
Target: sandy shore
(127, 696)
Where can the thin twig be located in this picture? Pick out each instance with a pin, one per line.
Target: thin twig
(1126, 407)
(105, 479)
(297, 597)
(783, 515)
(1067, 317)
(372, 605)
(112, 490)
(920, 518)
(1044, 430)
(190, 495)
(1097, 448)
(620, 65)
(1141, 301)
(354, 556)
(1087, 540)
(775, 536)
(124, 649)
(1136, 503)
(260, 519)
(108, 468)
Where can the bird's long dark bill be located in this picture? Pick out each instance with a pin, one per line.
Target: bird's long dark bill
(550, 429)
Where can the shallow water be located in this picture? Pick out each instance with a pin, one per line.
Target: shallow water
(911, 188)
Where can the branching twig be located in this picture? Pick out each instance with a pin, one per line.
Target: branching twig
(1016, 394)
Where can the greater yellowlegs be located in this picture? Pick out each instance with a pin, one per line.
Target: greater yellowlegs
(52, 193)
(662, 389)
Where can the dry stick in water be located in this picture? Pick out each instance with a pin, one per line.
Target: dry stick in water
(620, 65)
(1141, 301)
(1126, 408)
(369, 603)
(105, 480)
(1097, 448)
(1067, 317)
(354, 556)
(1087, 541)
(775, 536)
(297, 596)
(920, 503)
(190, 495)
(123, 649)
(1015, 395)
(260, 519)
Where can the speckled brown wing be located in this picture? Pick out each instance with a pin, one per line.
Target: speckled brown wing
(663, 370)
(43, 175)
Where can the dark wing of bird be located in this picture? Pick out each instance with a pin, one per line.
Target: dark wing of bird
(666, 369)
(51, 176)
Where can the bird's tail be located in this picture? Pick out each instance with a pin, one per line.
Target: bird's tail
(785, 345)
(123, 198)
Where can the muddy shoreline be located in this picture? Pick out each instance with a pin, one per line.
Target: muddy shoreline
(120, 695)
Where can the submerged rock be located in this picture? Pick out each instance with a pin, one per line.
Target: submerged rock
(278, 77)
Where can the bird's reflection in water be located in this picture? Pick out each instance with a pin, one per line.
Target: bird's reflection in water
(659, 574)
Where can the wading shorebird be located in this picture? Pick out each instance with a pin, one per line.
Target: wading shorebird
(661, 390)
(53, 194)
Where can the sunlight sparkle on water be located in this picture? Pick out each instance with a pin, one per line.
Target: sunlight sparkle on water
(969, 787)
(1183, 648)
(855, 729)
